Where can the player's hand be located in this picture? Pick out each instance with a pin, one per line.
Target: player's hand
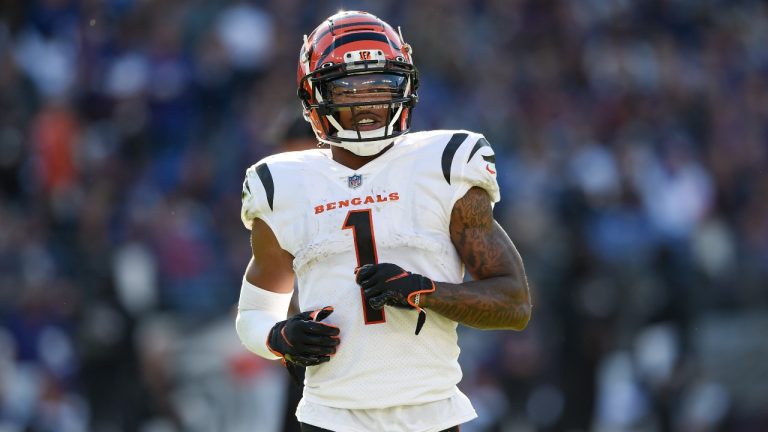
(388, 284)
(303, 339)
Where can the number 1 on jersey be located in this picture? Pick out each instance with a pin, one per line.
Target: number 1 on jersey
(361, 224)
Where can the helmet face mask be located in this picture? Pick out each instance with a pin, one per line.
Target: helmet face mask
(361, 101)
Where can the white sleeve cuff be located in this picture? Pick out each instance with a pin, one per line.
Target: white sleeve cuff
(258, 311)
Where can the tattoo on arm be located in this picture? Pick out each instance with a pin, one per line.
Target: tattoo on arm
(498, 297)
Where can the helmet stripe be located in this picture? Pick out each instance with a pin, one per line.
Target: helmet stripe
(353, 37)
(345, 25)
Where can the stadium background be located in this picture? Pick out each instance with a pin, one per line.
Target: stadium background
(633, 157)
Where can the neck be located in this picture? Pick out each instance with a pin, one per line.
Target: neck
(351, 160)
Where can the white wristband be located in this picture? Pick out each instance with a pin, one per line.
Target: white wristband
(257, 312)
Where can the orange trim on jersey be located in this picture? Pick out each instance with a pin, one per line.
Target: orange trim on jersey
(373, 238)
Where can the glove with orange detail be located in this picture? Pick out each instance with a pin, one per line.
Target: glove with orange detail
(388, 284)
(303, 340)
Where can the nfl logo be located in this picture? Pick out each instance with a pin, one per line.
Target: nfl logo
(355, 181)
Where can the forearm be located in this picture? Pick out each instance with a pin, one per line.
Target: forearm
(494, 303)
(258, 311)
(498, 298)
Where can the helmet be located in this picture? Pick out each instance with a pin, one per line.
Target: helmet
(356, 71)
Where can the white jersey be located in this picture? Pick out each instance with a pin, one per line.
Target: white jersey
(396, 208)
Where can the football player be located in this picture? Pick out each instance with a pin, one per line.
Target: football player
(378, 229)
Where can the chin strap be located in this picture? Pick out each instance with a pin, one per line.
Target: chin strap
(368, 148)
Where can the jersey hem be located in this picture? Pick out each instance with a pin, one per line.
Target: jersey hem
(440, 427)
(444, 421)
(356, 405)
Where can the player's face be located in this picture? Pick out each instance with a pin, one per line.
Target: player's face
(365, 88)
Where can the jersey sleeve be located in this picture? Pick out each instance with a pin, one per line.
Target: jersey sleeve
(476, 166)
(258, 195)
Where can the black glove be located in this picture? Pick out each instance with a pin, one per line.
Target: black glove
(388, 284)
(303, 340)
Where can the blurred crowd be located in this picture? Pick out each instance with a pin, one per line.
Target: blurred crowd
(632, 143)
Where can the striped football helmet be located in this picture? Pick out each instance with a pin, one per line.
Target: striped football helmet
(357, 82)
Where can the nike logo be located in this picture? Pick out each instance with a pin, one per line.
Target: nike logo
(488, 168)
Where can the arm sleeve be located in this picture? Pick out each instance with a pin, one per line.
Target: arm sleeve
(476, 165)
(257, 312)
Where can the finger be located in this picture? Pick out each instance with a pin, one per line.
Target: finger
(321, 314)
(372, 291)
(370, 282)
(386, 298)
(322, 329)
(304, 359)
(323, 341)
(304, 316)
(388, 270)
(378, 302)
(365, 272)
(315, 350)
(365, 268)
(372, 279)
(309, 360)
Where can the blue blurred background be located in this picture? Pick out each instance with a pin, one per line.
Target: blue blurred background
(632, 139)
